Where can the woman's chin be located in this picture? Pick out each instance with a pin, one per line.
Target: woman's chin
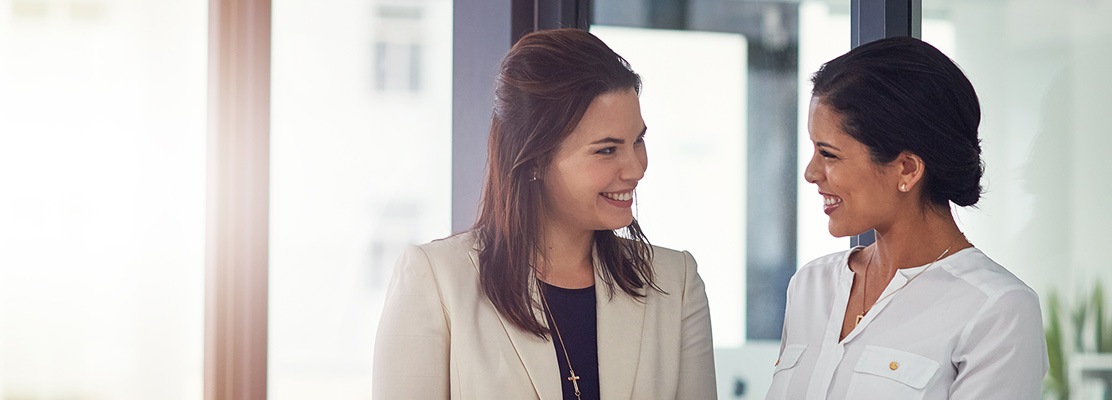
(618, 224)
(841, 231)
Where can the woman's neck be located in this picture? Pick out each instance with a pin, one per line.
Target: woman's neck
(566, 259)
(916, 241)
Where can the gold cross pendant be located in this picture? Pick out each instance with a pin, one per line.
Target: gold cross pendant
(574, 379)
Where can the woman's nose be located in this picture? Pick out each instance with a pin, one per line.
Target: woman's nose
(633, 169)
(811, 174)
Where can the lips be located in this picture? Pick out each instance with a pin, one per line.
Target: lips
(618, 199)
(619, 196)
(830, 203)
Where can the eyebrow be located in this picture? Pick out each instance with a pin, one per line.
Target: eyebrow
(619, 141)
(824, 144)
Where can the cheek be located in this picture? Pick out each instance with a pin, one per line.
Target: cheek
(865, 189)
(558, 187)
(846, 184)
(594, 178)
(829, 174)
(583, 186)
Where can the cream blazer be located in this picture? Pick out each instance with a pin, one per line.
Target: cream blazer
(440, 337)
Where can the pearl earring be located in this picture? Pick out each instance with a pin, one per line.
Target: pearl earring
(903, 187)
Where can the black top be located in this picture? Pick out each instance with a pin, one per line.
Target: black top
(574, 310)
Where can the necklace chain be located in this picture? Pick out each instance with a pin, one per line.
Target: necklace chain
(548, 311)
(865, 281)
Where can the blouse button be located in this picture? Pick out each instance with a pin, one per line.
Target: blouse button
(893, 365)
(777, 363)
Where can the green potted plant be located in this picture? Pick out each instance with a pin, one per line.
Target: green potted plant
(1071, 332)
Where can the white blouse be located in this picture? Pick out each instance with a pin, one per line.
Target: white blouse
(965, 329)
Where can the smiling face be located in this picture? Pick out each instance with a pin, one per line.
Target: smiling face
(589, 184)
(858, 194)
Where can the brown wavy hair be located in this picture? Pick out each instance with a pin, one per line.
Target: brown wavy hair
(543, 88)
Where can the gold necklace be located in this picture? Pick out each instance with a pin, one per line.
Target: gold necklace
(548, 311)
(865, 284)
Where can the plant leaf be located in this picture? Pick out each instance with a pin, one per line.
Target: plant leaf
(1056, 351)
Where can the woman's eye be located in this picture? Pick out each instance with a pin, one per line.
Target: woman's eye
(640, 139)
(608, 150)
(827, 154)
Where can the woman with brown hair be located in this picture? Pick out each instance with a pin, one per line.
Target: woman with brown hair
(555, 293)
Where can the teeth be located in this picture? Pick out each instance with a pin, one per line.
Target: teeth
(830, 200)
(619, 196)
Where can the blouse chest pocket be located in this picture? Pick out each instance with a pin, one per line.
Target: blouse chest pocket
(883, 373)
(785, 367)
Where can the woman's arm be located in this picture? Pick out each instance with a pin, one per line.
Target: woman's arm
(697, 350)
(1002, 353)
(411, 349)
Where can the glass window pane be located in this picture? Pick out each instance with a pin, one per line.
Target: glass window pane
(102, 166)
(726, 89)
(696, 143)
(824, 34)
(361, 167)
(1041, 71)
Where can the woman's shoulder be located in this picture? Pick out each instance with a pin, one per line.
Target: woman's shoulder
(446, 254)
(982, 273)
(829, 264)
(463, 241)
(667, 255)
(669, 259)
(671, 267)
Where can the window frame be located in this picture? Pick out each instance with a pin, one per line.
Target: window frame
(238, 166)
(237, 200)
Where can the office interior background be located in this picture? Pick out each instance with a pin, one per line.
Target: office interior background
(105, 154)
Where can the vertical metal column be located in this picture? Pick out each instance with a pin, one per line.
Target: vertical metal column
(870, 20)
(481, 35)
(553, 14)
(877, 19)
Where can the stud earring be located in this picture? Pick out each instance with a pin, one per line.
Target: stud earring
(903, 187)
(534, 178)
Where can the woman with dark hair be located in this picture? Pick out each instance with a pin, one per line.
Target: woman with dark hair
(920, 313)
(555, 293)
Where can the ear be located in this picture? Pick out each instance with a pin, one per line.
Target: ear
(910, 169)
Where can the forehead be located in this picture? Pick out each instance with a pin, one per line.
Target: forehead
(615, 114)
(824, 124)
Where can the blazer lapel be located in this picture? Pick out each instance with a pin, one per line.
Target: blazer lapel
(620, 323)
(537, 355)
